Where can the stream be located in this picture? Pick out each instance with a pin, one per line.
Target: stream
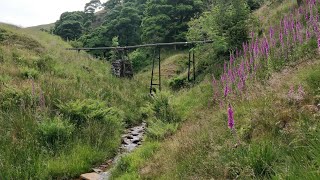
(131, 139)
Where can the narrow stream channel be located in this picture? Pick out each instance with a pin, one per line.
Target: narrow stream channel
(132, 139)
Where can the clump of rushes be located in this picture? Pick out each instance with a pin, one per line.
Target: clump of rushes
(231, 125)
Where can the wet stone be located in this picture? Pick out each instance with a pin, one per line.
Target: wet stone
(90, 176)
(97, 170)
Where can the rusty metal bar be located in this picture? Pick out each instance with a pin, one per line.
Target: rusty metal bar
(141, 46)
(189, 64)
(194, 64)
(159, 58)
(152, 74)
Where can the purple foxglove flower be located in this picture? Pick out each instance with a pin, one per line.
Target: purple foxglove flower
(301, 91)
(230, 117)
(307, 34)
(291, 91)
(226, 91)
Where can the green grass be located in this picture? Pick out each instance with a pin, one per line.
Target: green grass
(44, 92)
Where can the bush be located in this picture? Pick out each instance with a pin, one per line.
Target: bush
(81, 112)
(13, 97)
(54, 132)
(254, 4)
(17, 59)
(177, 83)
(45, 63)
(139, 59)
(160, 130)
(29, 73)
(163, 110)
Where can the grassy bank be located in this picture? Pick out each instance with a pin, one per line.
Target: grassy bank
(60, 112)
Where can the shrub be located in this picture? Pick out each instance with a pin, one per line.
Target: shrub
(177, 83)
(44, 63)
(254, 4)
(29, 73)
(13, 97)
(81, 112)
(17, 59)
(163, 110)
(160, 130)
(139, 59)
(54, 132)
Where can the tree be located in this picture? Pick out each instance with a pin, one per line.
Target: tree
(70, 25)
(227, 22)
(92, 6)
(166, 20)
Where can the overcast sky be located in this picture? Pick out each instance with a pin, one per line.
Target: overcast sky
(27, 13)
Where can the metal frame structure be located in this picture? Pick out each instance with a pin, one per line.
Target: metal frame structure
(158, 47)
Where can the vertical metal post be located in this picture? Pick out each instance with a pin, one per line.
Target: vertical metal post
(189, 64)
(151, 84)
(194, 64)
(159, 58)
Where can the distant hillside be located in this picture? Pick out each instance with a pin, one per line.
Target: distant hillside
(44, 26)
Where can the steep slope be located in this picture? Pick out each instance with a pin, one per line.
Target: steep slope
(276, 117)
(60, 112)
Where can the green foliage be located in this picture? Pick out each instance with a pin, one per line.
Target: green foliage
(163, 110)
(91, 6)
(167, 20)
(1, 56)
(129, 165)
(313, 81)
(178, 83)
(114, 52)
(45, 63)
(160, 130)
(82, 112)
(73, 162)
(71, 25)
(227, 25)
(140, 59)
(29, 73)
(55, 132)
(255, 4)
(13, 97)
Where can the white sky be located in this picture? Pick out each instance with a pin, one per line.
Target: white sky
(27, 13)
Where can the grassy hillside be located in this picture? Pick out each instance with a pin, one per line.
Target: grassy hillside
(60, 112)
(276, 118)
(46, 27)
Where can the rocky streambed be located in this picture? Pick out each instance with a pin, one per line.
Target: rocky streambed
(132, 139)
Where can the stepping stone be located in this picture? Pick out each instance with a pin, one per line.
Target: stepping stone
(97, 170)
(91, 176)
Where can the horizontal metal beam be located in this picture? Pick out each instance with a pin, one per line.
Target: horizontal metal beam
(141, 46)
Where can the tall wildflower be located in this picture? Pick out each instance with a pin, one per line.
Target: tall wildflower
(230, 117)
